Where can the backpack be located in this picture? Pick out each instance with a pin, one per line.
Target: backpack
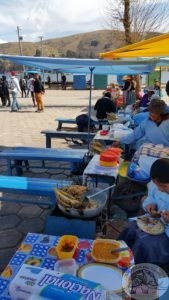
(82, 122)
(12, 85)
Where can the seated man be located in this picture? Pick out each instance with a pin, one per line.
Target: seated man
(104, 105)
(145, 247)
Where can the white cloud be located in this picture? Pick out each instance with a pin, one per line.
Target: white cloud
(2, 41)
(50, 18)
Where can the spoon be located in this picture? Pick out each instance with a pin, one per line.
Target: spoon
(119, 250)
(98, 193)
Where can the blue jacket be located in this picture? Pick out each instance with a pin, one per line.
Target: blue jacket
(148, 132)
(160, 199)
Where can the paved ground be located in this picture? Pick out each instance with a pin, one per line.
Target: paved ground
(23, 129)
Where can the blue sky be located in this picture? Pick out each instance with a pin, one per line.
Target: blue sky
(49, 18)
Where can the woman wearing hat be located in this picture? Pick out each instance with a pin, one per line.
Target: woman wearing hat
(129, 91)
(154, 129)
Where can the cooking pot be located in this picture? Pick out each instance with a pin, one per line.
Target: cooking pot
(87, 213)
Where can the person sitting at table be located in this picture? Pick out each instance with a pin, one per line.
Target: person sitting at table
(142, 115)
(153, 129)
(104, 105)
(145, 247)
(145, 100)
(114, 90)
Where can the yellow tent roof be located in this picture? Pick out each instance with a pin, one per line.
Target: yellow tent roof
(156, 46)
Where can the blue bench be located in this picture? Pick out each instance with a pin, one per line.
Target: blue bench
(62, 121)
(72, 156)
(50, 134)
(30, 186)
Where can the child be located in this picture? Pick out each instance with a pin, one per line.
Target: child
(152, 248)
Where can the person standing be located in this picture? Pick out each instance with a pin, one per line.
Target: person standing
(5, 89)
(1, 91)
(49, 81)
(30, 86)
(39, 91)
(157, 88)
(15, 88)
(22, 84)
(63, 82)
(129, 92)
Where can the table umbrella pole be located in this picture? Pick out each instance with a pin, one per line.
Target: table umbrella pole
(89, 111)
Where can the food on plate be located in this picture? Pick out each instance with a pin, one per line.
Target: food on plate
(97, 146)
(73, 196)
(66, 246)
(154, 213)
(111, 116)
(102, 251)
(150, 225)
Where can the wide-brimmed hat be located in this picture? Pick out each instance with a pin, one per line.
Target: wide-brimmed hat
(126, 77)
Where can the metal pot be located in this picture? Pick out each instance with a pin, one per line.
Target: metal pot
(88, 213)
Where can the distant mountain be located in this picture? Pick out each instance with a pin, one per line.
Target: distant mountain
(82, 45)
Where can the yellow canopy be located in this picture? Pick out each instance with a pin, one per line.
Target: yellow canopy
(156, 46)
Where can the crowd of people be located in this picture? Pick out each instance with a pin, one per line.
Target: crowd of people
(150, 115)
(10, 88)
(28, 85)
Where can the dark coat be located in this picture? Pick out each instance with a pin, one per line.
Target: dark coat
(104, 105)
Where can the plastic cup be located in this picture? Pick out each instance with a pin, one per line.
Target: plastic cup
(67, 266)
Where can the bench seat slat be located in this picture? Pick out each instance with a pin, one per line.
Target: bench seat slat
(50, 134)
(30, 186)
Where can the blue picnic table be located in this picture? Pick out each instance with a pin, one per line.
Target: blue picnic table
(72, 156)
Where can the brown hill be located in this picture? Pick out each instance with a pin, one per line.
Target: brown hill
(83, 45)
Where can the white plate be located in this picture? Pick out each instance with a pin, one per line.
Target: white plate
(108, 276)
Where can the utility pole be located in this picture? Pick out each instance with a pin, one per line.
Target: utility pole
(20, 38)
(41, 44)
